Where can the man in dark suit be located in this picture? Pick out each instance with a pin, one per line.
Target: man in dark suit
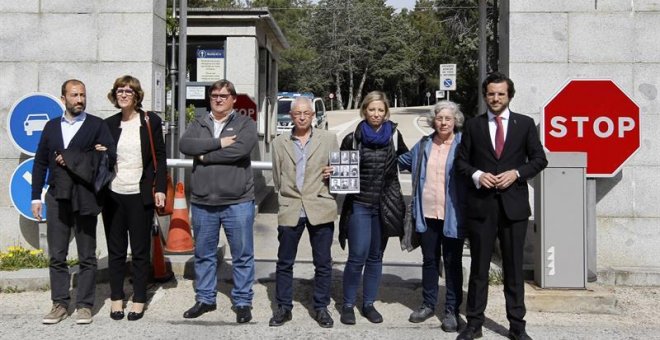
(500, 151)
(74, 131)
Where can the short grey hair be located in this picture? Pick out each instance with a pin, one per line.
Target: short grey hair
(301, 100)
(451, 106)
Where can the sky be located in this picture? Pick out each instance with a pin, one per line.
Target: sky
(399, 4)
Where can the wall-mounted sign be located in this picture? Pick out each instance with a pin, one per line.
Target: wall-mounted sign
(210, 64)
(28, 117)
(195, 92)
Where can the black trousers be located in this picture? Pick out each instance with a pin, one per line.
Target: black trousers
(320, 238)
(126, 217)
(482, 234)
(433, 242)
(60, 221)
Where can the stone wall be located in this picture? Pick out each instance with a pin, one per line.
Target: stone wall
(554, 40)
(46, 42)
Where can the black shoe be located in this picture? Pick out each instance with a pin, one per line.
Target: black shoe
(117, 315)
(323, 318)
(421, 314)
(370, 312)
(450, 322)
(469, 333)
(347, 315)
(519, 335)
(198, 309)
(243, 314)
(280, 316)
(133, 316)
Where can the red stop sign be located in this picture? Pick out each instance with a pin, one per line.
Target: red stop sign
(596, 117)
(245, 105)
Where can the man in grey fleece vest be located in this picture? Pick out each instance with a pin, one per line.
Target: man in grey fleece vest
(222, 194)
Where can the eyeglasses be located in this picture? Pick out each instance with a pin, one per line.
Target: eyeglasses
(127, 92)
(444, 119)
(222, 96)
(302, 113)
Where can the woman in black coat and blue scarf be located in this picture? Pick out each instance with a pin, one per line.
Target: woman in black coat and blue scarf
(369, 217)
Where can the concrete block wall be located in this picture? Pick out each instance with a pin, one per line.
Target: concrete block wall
(243, 74)
(554, 40)
(45, 43)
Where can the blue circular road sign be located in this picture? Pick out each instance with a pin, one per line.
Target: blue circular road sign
(28, 117)
(20, 190)
(447, 82)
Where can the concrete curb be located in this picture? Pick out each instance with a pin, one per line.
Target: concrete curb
(596, 299)
(630, 276)
(38, 279)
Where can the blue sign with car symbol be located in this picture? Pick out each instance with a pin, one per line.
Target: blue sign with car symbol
(28, 117)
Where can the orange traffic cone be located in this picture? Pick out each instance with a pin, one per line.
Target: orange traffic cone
(179, 238)
(160, 271)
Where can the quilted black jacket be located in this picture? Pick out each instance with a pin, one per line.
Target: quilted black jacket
(383, 187)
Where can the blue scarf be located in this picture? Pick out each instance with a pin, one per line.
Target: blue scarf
(376, 139)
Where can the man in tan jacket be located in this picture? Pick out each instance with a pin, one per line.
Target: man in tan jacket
(300, 174)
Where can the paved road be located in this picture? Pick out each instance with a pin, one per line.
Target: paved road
(411, 126)
(21, 313)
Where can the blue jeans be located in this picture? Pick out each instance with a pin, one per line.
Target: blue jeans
(365, 251)
(432, 242)
(238, 220)
(320, 238)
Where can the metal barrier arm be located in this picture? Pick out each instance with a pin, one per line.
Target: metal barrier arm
(188, 163)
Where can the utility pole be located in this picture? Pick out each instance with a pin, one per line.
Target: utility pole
(183, 82)
(174, 141)
(482, 53)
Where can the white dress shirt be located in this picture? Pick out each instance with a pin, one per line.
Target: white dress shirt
(492, 129)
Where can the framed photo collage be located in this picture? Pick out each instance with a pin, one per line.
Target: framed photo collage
(345, 178)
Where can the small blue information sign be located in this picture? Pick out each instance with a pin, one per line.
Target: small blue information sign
(210, 53)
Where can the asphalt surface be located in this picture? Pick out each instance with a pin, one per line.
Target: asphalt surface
(635, 316)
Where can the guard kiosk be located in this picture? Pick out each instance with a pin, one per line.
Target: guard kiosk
(242, 45)
(560, 259)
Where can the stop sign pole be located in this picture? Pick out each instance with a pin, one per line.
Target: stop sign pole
(596, 117)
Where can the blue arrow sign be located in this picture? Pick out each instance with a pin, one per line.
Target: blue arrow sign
(20, 190)
(28, 117)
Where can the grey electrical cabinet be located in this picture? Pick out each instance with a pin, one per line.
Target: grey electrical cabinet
(560, 222)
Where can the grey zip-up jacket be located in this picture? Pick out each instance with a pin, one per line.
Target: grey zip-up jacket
(224, 175)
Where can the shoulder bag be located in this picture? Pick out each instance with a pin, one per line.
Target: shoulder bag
(168, 209)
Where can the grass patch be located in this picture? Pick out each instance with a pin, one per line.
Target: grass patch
(17, 257)
(10, 290)
(495, 277)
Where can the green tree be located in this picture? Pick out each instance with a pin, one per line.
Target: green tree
(328, 36)
(357, 37)
(351, 47)
(460, 19)
(298, 65)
